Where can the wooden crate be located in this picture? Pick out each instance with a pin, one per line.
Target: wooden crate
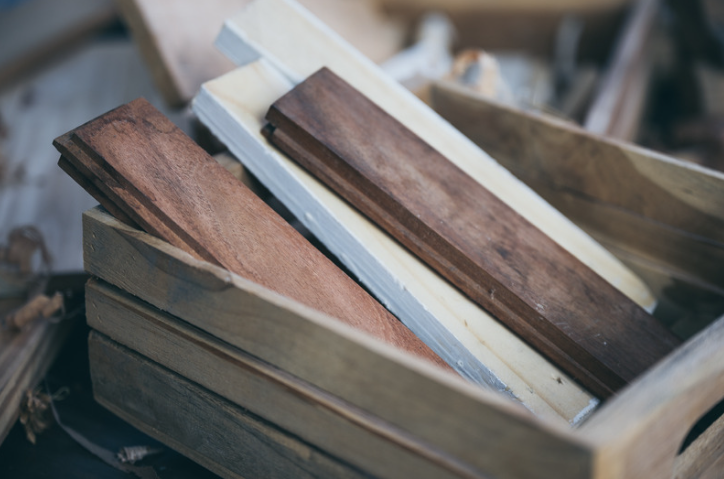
(360, 405)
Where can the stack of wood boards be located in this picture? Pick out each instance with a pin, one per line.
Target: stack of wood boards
(461, 332)
(466, 234)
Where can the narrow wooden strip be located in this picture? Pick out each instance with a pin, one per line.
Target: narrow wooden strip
(184, 196)
(467, 234)
(217, 434)
(449, 413)
(317, 417)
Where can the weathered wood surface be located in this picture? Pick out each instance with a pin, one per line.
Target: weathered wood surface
(531, 284)
(32, 188)
(176, 37)
(473, 425)
(167, 184)
(639, 432)
(704, 455)
(309, 413)
(460, 331)
(25, 356)
(37, 31)
(619, 103)
(646, 205)
(219, 435)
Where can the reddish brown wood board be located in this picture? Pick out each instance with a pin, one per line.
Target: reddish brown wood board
(166, 183)
(530, 283)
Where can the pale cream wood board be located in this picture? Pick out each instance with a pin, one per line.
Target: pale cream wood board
(480, 428)
(307, 412)
(298, 44)
(217, 434)
(33, 189)
(176, 37)
(458, 330)
(638, 433)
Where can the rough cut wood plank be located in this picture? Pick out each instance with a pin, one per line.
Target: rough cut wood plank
(469, 423)
(659, 208)
(459, 330)
(187, 198)
(535, 287)
(309, 413)
(639, 432)
(296, 43)
(217, 434)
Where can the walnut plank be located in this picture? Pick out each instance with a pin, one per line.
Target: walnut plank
(467, 234)
(183, 195)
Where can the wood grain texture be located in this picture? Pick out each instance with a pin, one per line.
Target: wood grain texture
(38, 31)
(470, 424)
(457, 329)
(639, 432)
(92, 80)
(219, 435)
(183, 195)
(467, 234)
(660, 209)
(309, 413)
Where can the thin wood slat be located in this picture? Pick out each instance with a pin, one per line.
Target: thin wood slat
(467, 234)
(219, 435)
(311, 414)
(463, 420)
(167, 184)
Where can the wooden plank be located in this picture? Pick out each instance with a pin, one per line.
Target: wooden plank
(306, 46)
(37, 31)
(309, 413)
(471, 424)
(535, 287)
(618, 105)
(217, 434)
(639, 432)
(477, 345)
(183, 195)
(176, 37)
(661, 209)
(33, 190)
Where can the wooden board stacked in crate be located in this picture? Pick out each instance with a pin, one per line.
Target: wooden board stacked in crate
(276, 377)
(309, 396)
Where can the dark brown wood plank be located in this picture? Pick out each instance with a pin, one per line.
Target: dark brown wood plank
(467, 234)
(166, 183)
